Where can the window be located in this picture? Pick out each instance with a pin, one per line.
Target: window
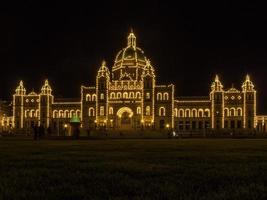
(207, 113)
(110, 111)
(147, 95)
(131, 95)
(200, 113)
(112, 95)
(239, 112)
(118, 95)
(226, 112)
(187, 113)
(232, 112)
(175, 112)
(138, 110)
(66, 114)
(162, 111)
(159, 96)
(78, 113)
(181, 113)
(93, 97)
(101, 96)
(125, 95)
(102, 111)
(194, 112)
(148, 110)
(138, 95)
(91, 112)
(88, 97)
(165, 96)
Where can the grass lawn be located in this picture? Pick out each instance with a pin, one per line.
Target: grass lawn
(133, 169)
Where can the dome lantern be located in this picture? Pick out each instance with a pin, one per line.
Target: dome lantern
(132, 40)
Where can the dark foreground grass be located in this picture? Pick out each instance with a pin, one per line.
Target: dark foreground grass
(133, 169)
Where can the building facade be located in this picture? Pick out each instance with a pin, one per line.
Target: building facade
(127, 97)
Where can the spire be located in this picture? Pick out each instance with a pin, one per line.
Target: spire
(20, 90)
(247, 84)
(132, 40)
(247, 77)
(103, 70)
(46, 89)
(217, 85)
(217, 78)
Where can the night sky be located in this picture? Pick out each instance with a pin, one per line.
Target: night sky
(187, 43)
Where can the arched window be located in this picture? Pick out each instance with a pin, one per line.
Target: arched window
(165, 96)
(72, 113)
(226, 112)
(162, 111)
(125, 95)
(55, 114)
(66, 114)
(159, 96)
(88, 97)
(110, 111)
(175, 112)
(148, 110)
(94, 97)
(91, 112)
(239, 112)
(194, 112)
(118, 95)
(181, 113)
(187, 112)
(207, 112)
(78, 113)
(200, 113)
(112, 95)
(37, 114)
(27, 113)
(131, 95)
(32, 113)
(102, 96)
(138, 110)
(138, 95)
(60, 114)
(102, 111)
(232, 112)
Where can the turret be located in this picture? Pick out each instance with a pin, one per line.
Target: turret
(148, 79)
(249, 103)
(102, 82)
(46, 100)
(217, 104)
(18, 106)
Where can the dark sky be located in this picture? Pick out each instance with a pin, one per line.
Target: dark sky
(187, 43)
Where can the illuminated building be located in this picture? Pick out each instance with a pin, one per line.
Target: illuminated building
(127, 97)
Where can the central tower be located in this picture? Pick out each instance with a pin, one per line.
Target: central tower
(130, 62)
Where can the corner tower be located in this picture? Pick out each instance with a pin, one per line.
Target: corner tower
(217, 104)
(18, 106)
(249, 104)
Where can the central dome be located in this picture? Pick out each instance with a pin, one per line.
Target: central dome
(130, 61)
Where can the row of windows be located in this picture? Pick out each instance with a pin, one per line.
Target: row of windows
(32, 113)
(192, 113)
(91, 111)
(66, 113)
(125, 95)
(90, 97)
(162, 96)
(233, 112)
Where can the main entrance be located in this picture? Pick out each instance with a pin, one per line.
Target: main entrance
(124, 116)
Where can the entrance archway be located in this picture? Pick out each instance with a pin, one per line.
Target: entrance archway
(125, 115)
